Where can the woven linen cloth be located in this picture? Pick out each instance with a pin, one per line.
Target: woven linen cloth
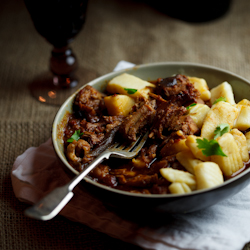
(37, 172)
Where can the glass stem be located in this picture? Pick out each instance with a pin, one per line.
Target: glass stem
(63, 64)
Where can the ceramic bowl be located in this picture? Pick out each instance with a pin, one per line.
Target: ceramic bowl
(166, 203)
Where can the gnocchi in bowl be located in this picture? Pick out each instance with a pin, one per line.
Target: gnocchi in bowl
(197, 118)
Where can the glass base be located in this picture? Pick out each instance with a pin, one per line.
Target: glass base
(50, 89)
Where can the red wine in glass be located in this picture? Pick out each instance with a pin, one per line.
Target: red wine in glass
(58, 21)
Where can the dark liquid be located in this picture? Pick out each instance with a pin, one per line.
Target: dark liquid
(59, 21)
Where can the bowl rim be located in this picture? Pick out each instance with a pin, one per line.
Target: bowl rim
(134, 68)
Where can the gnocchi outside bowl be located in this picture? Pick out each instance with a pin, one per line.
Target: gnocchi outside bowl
(166, 203)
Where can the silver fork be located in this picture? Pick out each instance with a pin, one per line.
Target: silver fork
(49, 206)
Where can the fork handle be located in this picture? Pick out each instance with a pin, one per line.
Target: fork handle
(49, 206)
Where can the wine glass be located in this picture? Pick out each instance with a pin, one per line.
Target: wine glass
(58, 21)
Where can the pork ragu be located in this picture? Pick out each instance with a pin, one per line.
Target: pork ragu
(163, 113)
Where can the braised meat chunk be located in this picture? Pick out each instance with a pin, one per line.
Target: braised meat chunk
(112, 122)
(101, 173)
(139, 180)
(171, 118)
(89, 103)
(138, 120)
(177, 89)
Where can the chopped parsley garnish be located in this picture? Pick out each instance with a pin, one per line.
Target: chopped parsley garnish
(130, 91)
(76, 136)
(220, 99)
(191, 105)
(221, 130)
(209, 148)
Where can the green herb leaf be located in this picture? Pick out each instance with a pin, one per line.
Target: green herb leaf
(191, 105)
(220, 99)
(221, 130)
(211, 147)
(130, 91)
(76, 136)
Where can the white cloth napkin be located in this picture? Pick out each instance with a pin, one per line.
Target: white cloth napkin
(223, 226)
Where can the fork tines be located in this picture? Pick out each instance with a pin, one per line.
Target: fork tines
(141, 139)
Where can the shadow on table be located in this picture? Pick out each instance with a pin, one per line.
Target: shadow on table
(194, 11)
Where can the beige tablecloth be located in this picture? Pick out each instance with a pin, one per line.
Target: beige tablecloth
(114, 30)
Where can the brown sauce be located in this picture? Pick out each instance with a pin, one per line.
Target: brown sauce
(245, 166)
